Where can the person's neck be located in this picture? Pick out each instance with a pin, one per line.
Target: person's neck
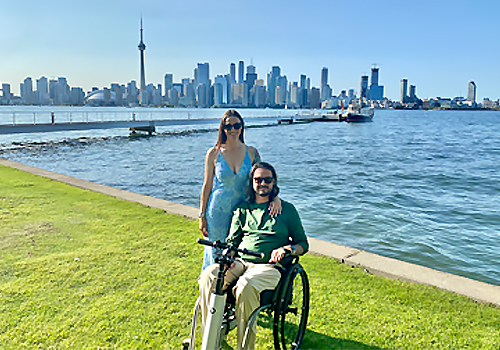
(232, 144)
(261, 200)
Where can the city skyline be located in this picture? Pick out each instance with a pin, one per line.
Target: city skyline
(432, 45)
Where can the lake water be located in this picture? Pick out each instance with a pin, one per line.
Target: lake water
(418, 186)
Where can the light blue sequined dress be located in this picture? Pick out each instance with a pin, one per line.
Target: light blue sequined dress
(228, 191)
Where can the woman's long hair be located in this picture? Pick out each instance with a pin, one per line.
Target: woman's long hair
(249, 190)
(222, 134)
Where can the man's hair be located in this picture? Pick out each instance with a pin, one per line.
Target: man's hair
(250, 191)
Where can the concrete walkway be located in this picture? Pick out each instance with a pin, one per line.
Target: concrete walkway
(373, 263)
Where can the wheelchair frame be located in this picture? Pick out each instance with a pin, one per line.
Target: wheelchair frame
(288, 303)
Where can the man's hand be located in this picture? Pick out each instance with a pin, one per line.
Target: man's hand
(278, 254)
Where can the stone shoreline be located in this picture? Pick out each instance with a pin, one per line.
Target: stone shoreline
(373, 263)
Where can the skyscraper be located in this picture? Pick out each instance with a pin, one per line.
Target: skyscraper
(251, 76)
(376, 91)
(168, 82)
(325, 91)
(142, 48)
(364, 86)
(404, 90)
(42, 90)
(272, 83)
(471, 92)
(203, 84)
(27, 90)
(412, 97)
(324, 76)
(241, 71)
(374, 76)
(6, 94)
(232, 72)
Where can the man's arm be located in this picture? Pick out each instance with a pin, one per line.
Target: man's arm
(235, 229)
(278, 254)
(296, 232)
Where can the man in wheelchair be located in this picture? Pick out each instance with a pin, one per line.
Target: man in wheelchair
(253, 228)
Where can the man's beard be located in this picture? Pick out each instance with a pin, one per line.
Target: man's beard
(264, 191)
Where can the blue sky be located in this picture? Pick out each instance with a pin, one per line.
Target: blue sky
(439, 45)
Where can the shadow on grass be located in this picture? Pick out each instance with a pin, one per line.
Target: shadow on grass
(314, 340)
(317, 341)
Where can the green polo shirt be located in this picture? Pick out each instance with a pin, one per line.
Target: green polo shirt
(254, 229)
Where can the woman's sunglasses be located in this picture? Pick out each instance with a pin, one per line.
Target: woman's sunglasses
(236, 126)
(267, 179)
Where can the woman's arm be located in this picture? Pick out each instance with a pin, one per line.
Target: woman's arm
(254, 154)
(275, 206)
(206, 189)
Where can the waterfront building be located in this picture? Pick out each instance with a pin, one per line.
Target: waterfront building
(239, 93)
(363, 90)
(487, 103)
(27, 94)
(350, 94)
(157, 95)
(376, 92)
(282, 83)
(42, 91)
(294, 95)
(471, 92)
(173, 96)
(142, 48)
(218, 94)
(412, 97)
(168, 81)
(241, 71)
(61, 91)
(6, 94)
(315, 101)
(201, 95)
(222, 81)
(232, 73)
(179, 87)
(260, 95)
(272, 83)
(404, 90)
(132, 92)
(277, 95)
(251, 76)
(202, 77)
(325, 89)
(77, 96)
(188, 99)
(324, 76)
(116, 88)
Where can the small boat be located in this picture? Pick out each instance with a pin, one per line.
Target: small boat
(357, 114)
(329, 117)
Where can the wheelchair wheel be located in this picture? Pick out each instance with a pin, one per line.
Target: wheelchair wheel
(292, 310)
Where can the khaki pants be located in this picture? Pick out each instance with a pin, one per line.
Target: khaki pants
(253, 279)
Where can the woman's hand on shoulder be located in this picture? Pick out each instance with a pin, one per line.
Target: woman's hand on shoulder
(275, 207)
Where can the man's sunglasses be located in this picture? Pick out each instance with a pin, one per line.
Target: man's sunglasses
(267, 179)
(236, 126)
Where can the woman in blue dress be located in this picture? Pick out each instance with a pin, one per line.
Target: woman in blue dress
(227, 167)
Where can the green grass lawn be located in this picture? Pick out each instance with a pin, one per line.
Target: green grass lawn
(84, 270)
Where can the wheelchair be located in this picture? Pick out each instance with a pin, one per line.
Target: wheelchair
(287, 305)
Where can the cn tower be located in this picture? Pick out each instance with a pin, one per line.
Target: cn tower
(142, 47)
